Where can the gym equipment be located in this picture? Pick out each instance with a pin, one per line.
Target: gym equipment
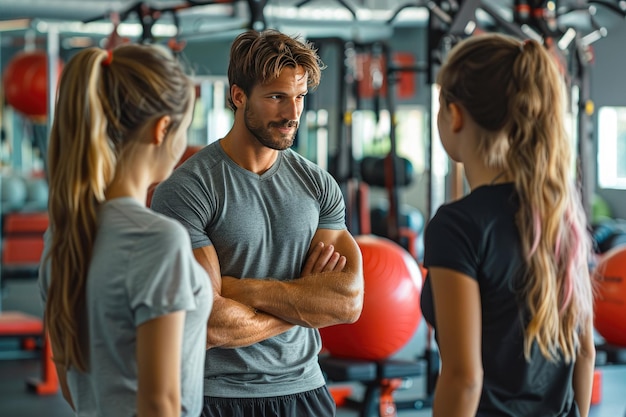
(25, 83)
(48, 384)
(14, 193)
(21, 252)
(373, 171)
(391, 309)
(381, 378)
(149, 15)
(370, 77)
(610, 300)
(411, 226)
(37, 194)
(14, 324)
(410, 217)
(613, 354)
(608, 234)
(26, 328)
(23, 244)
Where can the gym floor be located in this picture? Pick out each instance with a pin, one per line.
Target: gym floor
(17, 401)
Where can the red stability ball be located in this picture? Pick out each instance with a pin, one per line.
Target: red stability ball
(610, 298)
(25, 83)
(391, 309)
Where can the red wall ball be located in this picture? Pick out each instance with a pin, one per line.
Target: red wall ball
(25, 83)
(610, 298)
(391, 307)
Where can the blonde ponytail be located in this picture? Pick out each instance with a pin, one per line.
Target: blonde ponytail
(104, 99)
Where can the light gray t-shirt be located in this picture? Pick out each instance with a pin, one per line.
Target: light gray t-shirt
(261, 226)
(142, 268)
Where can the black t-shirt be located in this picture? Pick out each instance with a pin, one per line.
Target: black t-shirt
(478, 237)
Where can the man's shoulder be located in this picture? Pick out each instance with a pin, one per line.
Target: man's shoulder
(298, 160)
(293, 155)
(203, 158)
(196, 167)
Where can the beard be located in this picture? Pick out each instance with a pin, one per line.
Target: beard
(266, 135)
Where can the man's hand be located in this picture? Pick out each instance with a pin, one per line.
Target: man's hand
(328, 291)
(323, 258)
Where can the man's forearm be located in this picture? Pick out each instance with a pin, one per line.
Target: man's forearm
(317, 300)
(233, 325)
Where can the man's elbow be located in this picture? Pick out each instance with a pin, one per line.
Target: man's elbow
(212, 340)
(344, 311)
(353, 307)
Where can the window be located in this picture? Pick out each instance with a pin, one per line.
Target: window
(374, 135)
(212, 117)
(612, 147)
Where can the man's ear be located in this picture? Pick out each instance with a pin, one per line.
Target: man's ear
(456, 116)
(237, 95)
(160, 129)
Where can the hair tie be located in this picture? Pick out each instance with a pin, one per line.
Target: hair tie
(523, 44)
(107, 61)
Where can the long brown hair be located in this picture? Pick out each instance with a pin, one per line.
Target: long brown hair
(104, 99)
(515, 93)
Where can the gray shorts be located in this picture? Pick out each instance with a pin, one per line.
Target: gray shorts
(314, 403)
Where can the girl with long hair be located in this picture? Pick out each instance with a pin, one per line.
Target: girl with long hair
(126, 303)
(508, 289)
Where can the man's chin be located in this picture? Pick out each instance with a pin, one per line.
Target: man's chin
(283, 142)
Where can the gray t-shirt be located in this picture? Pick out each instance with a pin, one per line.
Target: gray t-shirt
(261, 226)
(142, 268)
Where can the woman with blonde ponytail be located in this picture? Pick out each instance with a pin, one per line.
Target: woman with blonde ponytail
(126, 303)
(508, 288)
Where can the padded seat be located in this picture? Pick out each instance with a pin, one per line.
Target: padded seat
(23, 327)
(15, 323)
(339, 369)
(394, 368)
(22, 244)
(22, 222)
(20, 325)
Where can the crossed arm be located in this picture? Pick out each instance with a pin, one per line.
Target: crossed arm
(329, 291)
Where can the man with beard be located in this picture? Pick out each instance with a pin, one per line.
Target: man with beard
(269, 227)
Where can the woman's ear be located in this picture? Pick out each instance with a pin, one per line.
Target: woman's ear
(456, 117)
(160, 129)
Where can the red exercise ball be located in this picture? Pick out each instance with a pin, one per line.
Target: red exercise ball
(610, 299)
(25, 83)
(391, 309)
